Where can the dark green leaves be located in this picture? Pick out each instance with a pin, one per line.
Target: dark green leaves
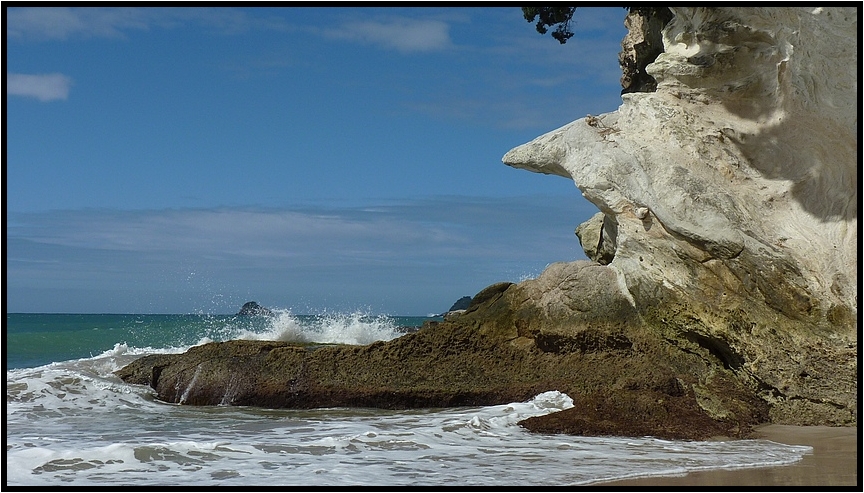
(550, 16)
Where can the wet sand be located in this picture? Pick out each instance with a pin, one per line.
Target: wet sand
(834, 462)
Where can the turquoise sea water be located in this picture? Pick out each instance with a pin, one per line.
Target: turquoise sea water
(34, 339)
(70, 421)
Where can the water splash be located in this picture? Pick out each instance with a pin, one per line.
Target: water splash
(186, 392)
(339, 328)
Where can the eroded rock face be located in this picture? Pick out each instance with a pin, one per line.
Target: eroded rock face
(733, 188)
(728, 299)
(597, 237)
(641, 46)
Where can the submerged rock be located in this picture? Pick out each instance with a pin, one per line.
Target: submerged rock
(724, 292)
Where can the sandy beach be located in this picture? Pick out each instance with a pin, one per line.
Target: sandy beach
(834, 462)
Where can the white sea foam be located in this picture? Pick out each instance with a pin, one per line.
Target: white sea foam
(69, 389)
(482, 446)
(75, 423)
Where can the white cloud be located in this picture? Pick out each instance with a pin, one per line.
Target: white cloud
(61, 23)
(44, 87)
(402, 34)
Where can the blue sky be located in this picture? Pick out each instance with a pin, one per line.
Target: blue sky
(186, 160)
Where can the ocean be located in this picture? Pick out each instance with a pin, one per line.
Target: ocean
(71, 422)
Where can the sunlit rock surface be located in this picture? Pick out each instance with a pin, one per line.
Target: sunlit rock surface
(722, 290)
(733, 194)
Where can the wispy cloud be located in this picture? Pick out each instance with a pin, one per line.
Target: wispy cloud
(527, 80)
(399, 33)
(44, 87)
(61, 23)
(424, 252)
(404, 34)
(427, 227)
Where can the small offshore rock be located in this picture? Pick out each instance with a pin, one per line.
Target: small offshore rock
(252, 308)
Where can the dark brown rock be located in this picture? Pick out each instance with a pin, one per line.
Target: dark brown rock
(252, 308)
(569, 330)
(641, 46)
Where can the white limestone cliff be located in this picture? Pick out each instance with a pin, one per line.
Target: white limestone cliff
(733, 188)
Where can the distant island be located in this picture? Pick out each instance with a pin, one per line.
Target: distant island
(460, 305)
